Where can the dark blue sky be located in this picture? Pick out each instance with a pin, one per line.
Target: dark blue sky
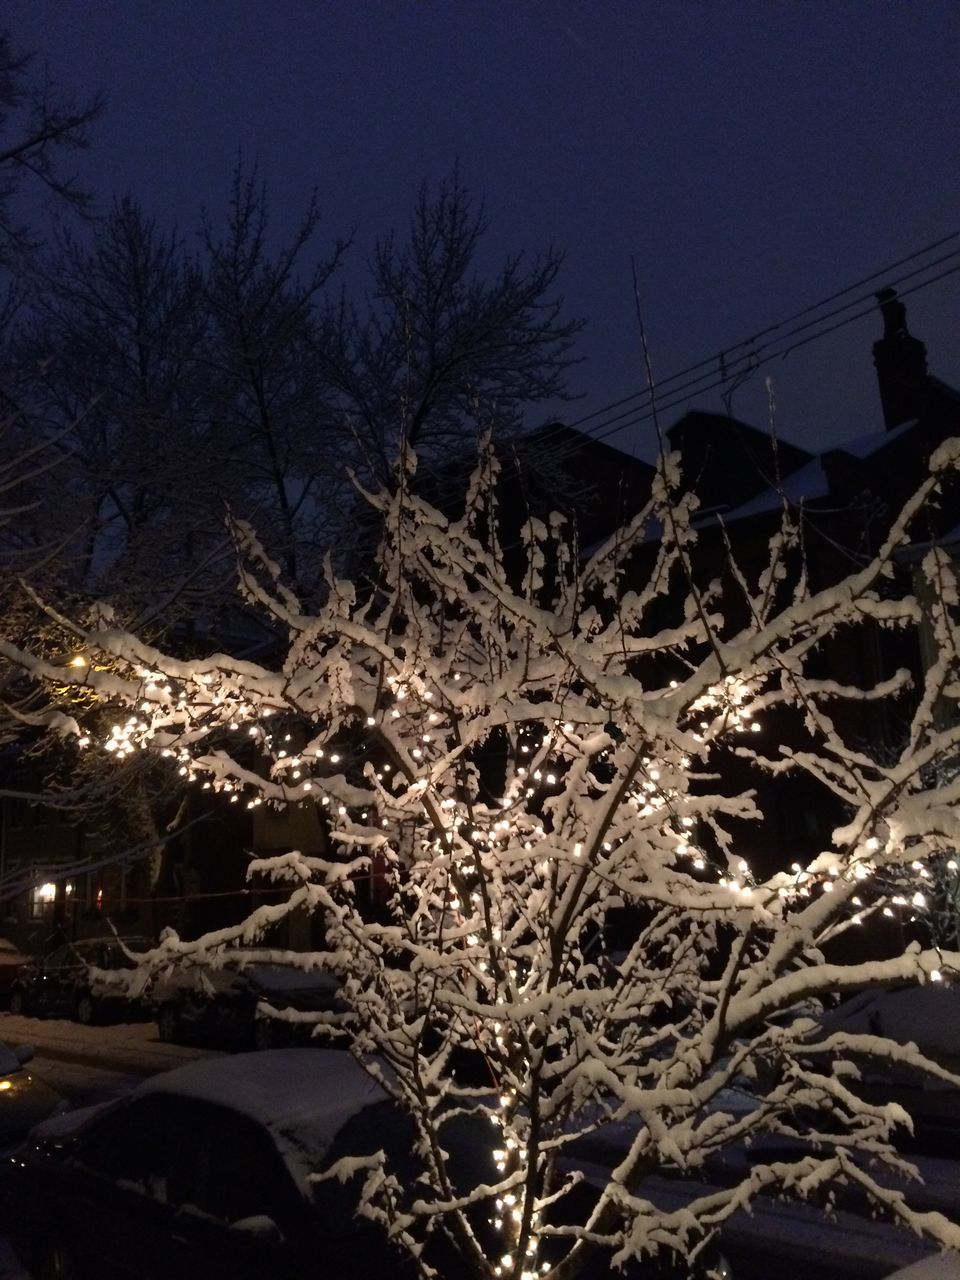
(753, 157)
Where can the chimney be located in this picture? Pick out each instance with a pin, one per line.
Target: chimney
(901, 362)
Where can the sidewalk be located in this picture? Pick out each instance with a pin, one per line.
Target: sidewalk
(131, 1047)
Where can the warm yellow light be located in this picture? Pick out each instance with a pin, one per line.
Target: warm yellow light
(5, 1085)
(78, 660)
(47, 892)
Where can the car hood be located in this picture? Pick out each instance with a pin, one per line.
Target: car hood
(25, 1101)
(60, 1128)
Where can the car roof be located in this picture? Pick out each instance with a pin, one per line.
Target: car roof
(303, 1096)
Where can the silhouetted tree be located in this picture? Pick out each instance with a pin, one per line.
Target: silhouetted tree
(39, 127)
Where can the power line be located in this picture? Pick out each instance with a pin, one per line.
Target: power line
(729, 363)
(782, 354)
(741, 368)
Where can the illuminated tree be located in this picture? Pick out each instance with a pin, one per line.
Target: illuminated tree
(525, 759)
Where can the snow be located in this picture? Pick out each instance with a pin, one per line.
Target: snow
(8, 1060)
(281, 978)
(803, 485)
(942, 1266)
(796, 1238)
(270, 978)
(68, 1123)
(125, 1046)
(513, 757)
(864, 446)
(84, 1083)
(303, 1096)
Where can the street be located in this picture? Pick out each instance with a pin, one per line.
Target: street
(89, 1065)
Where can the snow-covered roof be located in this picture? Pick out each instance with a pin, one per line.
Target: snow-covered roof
(864, 446)
(802, 485)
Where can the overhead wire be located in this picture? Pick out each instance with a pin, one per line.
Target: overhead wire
(782, 354)
(730, 361)
(716, 356)
(762, 333)
(748, 363)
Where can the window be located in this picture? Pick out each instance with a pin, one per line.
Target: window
(42, 897)
(241, 1173)
(149, 1147)
(44, 894)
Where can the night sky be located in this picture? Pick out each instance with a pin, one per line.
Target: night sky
(753, 157)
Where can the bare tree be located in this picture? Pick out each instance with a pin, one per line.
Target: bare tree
(441, 343)
(38, 128)
(267, 400)
(107, 366)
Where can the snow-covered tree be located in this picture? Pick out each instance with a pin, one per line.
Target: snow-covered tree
(533, 765)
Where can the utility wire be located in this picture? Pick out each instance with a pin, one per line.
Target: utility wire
(782, 354)
(762, 333)
(745, 365)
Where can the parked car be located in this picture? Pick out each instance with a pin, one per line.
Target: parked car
(229, 1003)
(12, 960)
(25, 1099)
(87, 980)
(205, 1173)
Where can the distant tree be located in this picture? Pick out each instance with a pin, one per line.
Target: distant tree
(106, 363)
(168, 389)
(265, 392)
(442, 342)
(39, 127)
(522, 759)
(102, 372)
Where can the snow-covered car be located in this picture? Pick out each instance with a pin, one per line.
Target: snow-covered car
(25, 1099)
(231, 1003)
(86, 980)
(204, 1171)
(207, 1172)
(927, 1016)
